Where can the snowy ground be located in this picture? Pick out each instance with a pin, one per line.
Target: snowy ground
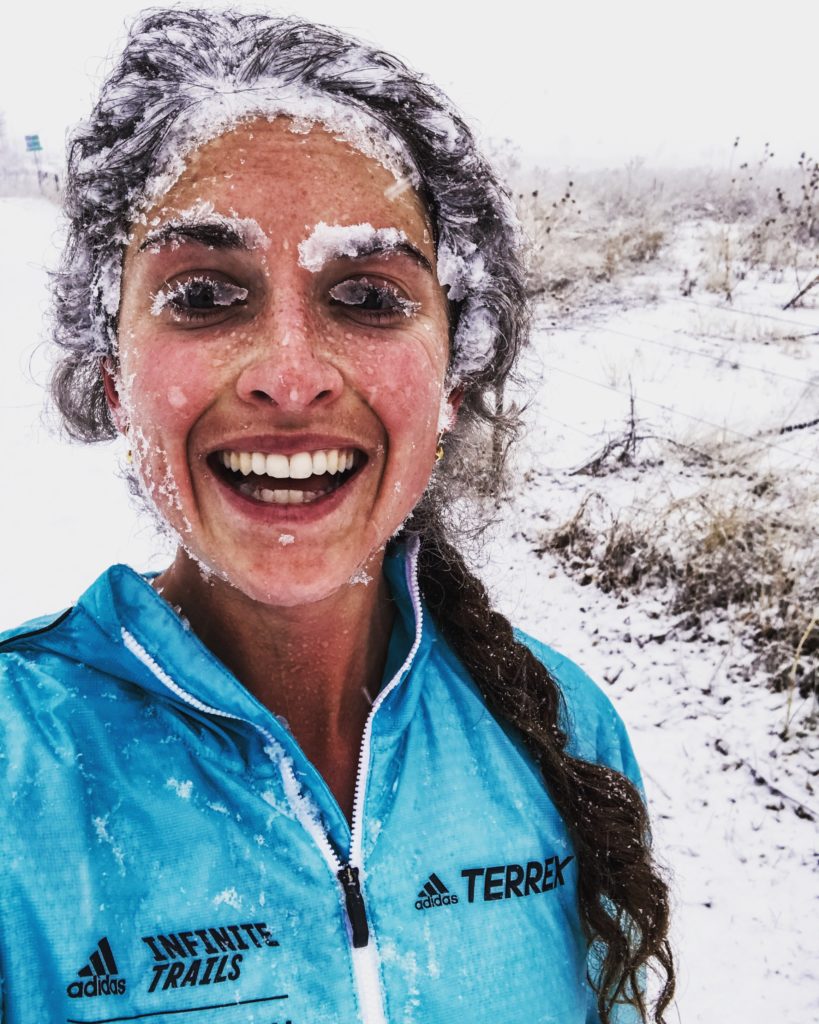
(727, 794)
(724, 789)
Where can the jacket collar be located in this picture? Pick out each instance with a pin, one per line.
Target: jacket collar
(150, 646)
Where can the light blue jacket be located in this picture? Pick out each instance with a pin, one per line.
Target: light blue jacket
(169, 854)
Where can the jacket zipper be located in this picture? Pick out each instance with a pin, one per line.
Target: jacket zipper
(356, 911)
(366, 965)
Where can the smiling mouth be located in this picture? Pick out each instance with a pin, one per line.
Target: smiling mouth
(276, 479)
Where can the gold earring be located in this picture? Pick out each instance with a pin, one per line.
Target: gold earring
(439, 451)
(129, 456)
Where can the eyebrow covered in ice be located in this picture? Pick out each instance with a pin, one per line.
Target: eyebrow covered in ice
(329, 242)
(201, 223)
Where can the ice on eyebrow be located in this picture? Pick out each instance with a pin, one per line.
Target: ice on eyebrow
(203, 214)
(222, 293)
(331, 241)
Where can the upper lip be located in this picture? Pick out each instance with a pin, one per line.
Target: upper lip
(285, 444)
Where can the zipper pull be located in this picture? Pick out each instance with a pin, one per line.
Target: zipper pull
(356, 911)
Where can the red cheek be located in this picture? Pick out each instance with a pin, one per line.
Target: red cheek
(170, 388)
(400, 381)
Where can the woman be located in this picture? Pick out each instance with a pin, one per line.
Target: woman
(306, 773)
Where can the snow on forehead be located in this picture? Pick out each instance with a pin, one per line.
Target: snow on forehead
(217, 107)
(332, 241)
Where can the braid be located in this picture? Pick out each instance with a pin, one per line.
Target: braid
(623, 900)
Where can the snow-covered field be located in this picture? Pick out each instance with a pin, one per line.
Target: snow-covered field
(734, 805)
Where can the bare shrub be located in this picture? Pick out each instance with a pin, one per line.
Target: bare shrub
(633, 244)
(767, 221)
(718, 270)
(728, 553)
(600, 546)
(736, 557)
(586, 231)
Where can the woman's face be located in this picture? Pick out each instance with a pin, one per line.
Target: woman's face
(249, 370)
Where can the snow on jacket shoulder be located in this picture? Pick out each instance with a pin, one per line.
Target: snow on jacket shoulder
(168, 849)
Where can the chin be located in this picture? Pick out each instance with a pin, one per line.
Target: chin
(293, 594)
(292, 586)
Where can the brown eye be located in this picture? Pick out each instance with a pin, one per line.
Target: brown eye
(375, 301)
(198, 298)
(200, 295)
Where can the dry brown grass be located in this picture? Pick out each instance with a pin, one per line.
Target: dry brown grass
(741, 554)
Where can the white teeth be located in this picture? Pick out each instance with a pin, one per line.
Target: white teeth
(300, 466)
(278, 466)
(279, 496)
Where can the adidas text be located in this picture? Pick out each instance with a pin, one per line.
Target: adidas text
(104, 986)
(435, 901)
(434, 894)
(98, 976)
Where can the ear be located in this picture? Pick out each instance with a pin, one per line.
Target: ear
(110, 384)
(456, 396)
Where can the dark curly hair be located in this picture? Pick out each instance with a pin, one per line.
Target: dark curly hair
(176, 62)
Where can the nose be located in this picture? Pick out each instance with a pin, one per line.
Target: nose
(290, 373)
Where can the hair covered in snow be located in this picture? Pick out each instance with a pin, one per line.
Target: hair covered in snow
(186, 76)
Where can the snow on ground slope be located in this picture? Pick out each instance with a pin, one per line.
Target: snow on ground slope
(724, 789)
(731, 801)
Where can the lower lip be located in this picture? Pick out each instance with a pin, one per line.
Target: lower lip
(271, 512)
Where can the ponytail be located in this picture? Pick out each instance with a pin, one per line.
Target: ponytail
(623, 899)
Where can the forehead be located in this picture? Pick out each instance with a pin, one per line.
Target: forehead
(289, 180)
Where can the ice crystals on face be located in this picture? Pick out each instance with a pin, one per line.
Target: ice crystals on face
(219, 105)
(203, 214)
(363, 294)
(198, 295)
(333, 241)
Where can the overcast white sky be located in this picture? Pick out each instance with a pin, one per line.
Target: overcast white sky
(572, 84)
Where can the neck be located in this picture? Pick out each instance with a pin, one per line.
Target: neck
(327, 654)
(318, 665)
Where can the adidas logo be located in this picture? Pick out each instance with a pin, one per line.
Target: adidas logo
(434, 894)
(100, 973)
